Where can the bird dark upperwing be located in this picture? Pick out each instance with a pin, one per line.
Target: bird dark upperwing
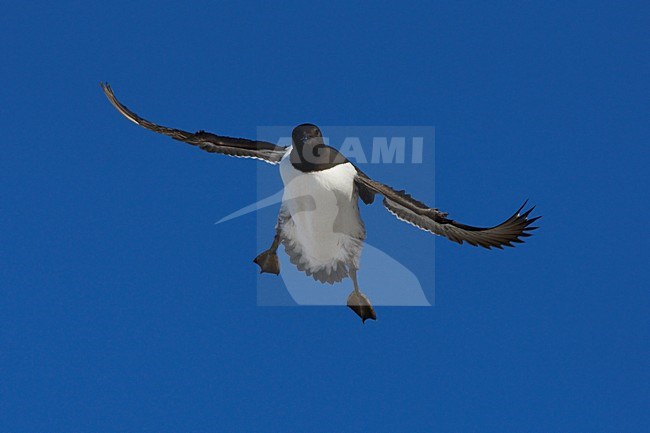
(414, 212)
(238, 147)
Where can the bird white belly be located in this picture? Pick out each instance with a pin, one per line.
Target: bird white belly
(322, 231)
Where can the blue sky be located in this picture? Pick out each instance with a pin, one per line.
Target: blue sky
(124, 308)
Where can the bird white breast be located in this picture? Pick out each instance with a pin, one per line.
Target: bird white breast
(324, 233)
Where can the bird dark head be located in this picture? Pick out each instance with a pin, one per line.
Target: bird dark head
(306, 132)
(310, 153)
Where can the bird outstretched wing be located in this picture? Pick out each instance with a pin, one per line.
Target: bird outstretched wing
(238, 147)
(416, 213)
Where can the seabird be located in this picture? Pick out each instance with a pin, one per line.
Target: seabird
(319, 222)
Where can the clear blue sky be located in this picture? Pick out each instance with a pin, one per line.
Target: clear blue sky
(123, 308)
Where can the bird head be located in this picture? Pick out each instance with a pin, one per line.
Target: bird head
(306, 133)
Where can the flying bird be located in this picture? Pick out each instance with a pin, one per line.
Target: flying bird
(319, 223)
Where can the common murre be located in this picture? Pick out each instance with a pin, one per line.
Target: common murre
(319, 222)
